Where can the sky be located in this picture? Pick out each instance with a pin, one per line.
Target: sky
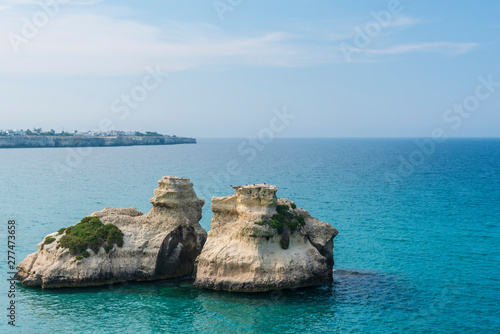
(236, 68)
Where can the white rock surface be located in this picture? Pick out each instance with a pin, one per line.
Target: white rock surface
(163, 243)
(240, 255)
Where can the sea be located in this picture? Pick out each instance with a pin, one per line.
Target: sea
(418, 249)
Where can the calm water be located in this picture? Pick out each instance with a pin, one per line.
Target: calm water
(418, 248)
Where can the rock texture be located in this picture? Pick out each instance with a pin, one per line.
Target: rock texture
(163, 243)
(240, 255)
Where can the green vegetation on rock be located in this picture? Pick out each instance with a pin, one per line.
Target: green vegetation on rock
(285, 222)
(283, 218)
(49, 240)
(92, 234)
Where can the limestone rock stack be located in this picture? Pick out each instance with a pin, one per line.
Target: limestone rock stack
(258, 242)
(163, 243)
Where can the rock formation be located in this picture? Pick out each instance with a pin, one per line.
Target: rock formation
(259, 243)
(84, 141)
(163, 243)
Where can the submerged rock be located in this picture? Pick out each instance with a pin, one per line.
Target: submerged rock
(163, 243)
(258, 242)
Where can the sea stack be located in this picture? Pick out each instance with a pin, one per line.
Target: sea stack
(123, 244)
(258, 242)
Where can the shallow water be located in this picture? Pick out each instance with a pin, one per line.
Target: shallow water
(417, 250)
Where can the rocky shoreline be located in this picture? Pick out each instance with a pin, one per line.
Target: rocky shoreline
(87, 141)
(257, 242)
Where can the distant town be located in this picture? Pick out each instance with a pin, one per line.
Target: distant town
(40, 132)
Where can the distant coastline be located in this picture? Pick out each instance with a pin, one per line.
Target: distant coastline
(89, 141)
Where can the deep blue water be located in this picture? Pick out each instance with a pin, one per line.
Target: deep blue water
(418, 248)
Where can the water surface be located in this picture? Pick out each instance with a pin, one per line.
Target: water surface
(417, 250)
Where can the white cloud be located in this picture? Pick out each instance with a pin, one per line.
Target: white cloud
(439, 47)
(94, 44)
(88, 44)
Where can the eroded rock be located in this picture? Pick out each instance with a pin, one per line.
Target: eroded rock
(160, 244)
(244, 252)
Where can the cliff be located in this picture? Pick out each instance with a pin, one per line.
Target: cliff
(163, 243)
(83, 141)
(258, 242)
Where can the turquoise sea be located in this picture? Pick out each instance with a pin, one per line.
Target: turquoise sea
(418, 249)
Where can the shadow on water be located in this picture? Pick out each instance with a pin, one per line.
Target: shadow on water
(350, 286)
(163, 304)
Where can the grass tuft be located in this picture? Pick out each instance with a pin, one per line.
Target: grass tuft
(49, 240)
(92, 234)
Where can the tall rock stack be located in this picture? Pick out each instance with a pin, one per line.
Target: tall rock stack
(258, 242)
(163, 243)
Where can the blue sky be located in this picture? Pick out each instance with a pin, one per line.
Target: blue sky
(341, 68)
